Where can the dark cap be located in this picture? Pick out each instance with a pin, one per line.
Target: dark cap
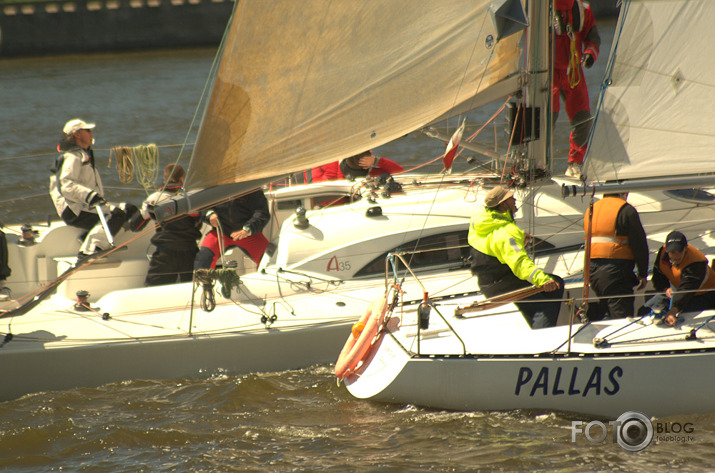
(675, 241)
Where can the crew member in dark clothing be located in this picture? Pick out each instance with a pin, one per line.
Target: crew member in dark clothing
(175, 240)
(239, 222)
(618, 245)
(4, 268)
(683, 277)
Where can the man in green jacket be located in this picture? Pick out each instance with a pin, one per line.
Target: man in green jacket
(501, 264)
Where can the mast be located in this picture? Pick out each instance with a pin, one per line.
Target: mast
(537, 100)
(537, 91)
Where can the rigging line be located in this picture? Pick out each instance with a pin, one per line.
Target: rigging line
(213, 71)
(571, 338)
(140, 324)
(424, 221)
(282, 297)
(440, 184)
(430, 250)
(607, 75)
(703, 324)
(219, 239)
(508, 148)
(488, 59)
(96, 317)
(440, 291)
(46, 155)
(419, 166)
(249, 302)
(665, 337)
(473, 136)
(307, 286)
(43, 155)
(632, 322)
(243, 328)
(44, 194)
(311, 277)
(119, 317)
(469, 139)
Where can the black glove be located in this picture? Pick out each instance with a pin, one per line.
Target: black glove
(97, 200)
(130, 210)
(587, 60)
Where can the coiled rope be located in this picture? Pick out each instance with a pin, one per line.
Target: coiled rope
(125, 164)
(146, 168)
(206, 277)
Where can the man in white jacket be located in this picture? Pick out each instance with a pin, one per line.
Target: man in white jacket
(76, 188)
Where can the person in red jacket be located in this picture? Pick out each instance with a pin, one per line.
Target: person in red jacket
(576, 43)
(360, 165)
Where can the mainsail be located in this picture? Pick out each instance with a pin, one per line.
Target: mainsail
(307, 82)
(655, 116)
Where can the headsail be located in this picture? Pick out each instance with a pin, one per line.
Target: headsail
(308, 82)
(655, 116)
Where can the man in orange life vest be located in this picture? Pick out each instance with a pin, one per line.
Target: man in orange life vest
(618, 245)
(683, 267)
(576, 43)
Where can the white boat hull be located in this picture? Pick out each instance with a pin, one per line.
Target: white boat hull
(503, 365)
(186, 356)
(655, 384)
(308, 283)
(151, 336)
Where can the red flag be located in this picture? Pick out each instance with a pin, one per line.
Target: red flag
(452, 147)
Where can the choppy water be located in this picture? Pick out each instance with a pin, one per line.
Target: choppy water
(301, 421)
(290, 421)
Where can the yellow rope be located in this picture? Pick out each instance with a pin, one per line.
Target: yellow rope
(574, 69)
(147, 160)
(125, 165)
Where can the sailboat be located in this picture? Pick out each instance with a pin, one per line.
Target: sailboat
(278, 106)
(360, 75)
(651, 132)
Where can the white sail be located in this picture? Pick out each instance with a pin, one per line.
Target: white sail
(307, 82)
(656, 113)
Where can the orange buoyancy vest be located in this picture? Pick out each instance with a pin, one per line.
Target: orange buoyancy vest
(673, 272)
(605, 243)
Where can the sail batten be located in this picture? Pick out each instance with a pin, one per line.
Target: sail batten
(654, 117)
(304, 83)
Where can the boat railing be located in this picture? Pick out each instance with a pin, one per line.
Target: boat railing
(425, 306)
(576, 308)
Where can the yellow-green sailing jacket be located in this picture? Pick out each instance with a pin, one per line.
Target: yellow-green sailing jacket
(499, 254)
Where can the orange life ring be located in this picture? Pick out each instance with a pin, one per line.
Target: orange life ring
(358, 344)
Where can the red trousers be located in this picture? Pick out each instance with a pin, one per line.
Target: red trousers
(255, 245)
(576, 103)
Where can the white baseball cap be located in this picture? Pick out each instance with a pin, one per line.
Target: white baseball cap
(75, 125)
